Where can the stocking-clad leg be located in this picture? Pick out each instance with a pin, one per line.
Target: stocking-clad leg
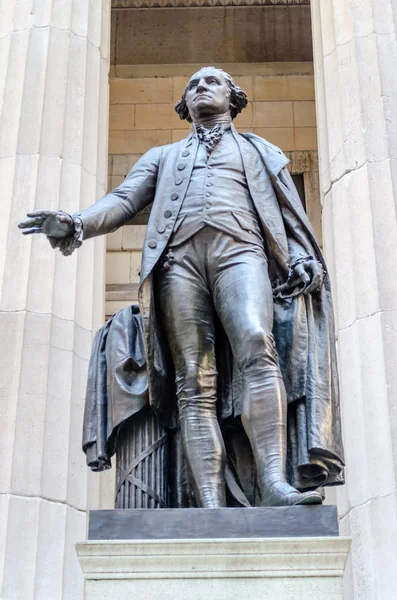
(243, 299)
(188, 319)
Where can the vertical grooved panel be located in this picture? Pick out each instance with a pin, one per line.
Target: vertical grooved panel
(51, 75)
(355, 77)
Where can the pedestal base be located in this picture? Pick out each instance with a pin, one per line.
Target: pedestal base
(198, 523)
(221, 569)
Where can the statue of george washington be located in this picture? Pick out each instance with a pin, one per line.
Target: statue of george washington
(235, 300)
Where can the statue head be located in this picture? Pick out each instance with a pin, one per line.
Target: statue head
(208, 93)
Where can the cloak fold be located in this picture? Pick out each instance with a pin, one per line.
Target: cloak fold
(117, 386)
(117, 389)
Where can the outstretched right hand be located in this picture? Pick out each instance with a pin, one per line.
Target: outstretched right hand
(54, 224)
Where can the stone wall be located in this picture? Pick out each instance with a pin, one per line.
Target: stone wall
(281, 109)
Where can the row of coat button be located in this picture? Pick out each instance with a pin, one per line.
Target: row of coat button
(174, 196)
(208, 194)
(181, 166)
(161, 228)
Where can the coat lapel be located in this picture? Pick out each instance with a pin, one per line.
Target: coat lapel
(273, 157)
(264, 197)
(174, 176)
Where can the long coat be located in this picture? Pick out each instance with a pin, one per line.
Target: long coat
(303, 325)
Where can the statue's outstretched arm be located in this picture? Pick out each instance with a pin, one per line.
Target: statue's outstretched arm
(122, 204)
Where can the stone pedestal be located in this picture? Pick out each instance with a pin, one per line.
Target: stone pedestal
(226, 554)
(200, 523)
(225, 569)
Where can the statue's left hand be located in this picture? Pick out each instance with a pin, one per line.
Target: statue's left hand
(311, 273)
(306, 278)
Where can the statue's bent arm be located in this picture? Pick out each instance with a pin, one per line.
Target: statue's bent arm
(306, 271)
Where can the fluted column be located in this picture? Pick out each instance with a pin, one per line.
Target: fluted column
(355, 53)
(53, 154)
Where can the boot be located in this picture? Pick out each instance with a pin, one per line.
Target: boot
(264, 418)
(282, 494)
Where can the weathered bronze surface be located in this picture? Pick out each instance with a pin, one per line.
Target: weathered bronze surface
(236, 345)
(173, 524)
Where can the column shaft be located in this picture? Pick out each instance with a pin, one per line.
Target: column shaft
(53, 154)
(355, 53)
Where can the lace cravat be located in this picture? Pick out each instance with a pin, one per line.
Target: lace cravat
(209, 137)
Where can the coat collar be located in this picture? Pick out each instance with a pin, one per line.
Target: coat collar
(193, 133)
(273, 157)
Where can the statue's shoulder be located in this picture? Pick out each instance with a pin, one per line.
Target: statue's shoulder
(160, 150)
(158, 154)
(168, 154)
(272, 155)
(173, 147)
(256, 139)
(172, 151)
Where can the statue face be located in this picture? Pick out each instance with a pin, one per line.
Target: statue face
(207, 94)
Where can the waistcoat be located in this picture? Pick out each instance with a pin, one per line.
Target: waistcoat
(218, 196)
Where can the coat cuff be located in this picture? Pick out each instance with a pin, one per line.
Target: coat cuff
(68, 245)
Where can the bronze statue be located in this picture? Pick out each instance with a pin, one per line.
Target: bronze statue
(228, 250)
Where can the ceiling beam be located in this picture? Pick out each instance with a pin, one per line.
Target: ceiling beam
(117, 4)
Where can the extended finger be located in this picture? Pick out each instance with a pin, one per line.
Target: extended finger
(41, 213)
(281, 288)
(288, 286)
(32, 230)
(30, 222)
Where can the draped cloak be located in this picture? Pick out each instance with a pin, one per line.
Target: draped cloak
(303, 331)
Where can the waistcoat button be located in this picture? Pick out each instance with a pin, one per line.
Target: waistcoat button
(167, 214)
(161, 228)
(181, 166)
(185, 153)
(174, 196)
(152, 244)
(178, 180)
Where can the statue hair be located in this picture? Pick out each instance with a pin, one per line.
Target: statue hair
(238, 98)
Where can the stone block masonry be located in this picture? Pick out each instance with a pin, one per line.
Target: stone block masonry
(258, 569)
(281, 108)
